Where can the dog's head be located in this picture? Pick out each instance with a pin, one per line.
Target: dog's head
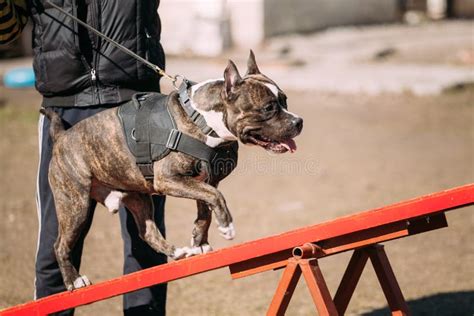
(256, 110)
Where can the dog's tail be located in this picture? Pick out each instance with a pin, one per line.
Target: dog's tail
(57, 127)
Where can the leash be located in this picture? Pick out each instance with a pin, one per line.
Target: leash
(173, 79)
(219, 161)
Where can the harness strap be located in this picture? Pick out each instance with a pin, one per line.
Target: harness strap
(142, 132)
(178, 141)
(147, 170)
(185, 101)
(188, 145)
(153, 134)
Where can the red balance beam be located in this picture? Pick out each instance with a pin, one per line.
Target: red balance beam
(428, 205)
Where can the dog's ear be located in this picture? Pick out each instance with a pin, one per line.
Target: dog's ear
(231, 78)
(252, 68)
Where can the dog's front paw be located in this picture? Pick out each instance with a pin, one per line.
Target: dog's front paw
(187, 252)
(205, 248)
(227, 232)
(180, 253)
(80, 281)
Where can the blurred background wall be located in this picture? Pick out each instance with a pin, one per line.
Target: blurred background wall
(208, 27)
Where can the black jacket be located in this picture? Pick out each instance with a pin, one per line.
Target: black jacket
(74, 67)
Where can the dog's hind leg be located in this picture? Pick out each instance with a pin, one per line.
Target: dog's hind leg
(72, 208)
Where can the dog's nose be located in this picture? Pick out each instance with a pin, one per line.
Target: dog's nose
(297, 123)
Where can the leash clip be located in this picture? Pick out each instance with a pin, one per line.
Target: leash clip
(178, 80)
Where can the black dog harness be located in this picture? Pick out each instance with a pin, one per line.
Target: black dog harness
(151, 134)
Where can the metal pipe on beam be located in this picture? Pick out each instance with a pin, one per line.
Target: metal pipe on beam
(308, 250)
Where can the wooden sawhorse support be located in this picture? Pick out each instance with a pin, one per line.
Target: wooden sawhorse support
(361, 232)
(305, 261)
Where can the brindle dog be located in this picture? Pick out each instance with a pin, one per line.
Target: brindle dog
(92, 160)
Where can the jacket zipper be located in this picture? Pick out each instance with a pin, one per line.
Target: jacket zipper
(95, 56)
(93, 76)
(89, 64)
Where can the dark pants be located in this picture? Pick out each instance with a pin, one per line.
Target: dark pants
(138, 255)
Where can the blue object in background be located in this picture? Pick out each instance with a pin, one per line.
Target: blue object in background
(19, 78)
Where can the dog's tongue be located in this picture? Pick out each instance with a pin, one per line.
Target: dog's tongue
(289, 144)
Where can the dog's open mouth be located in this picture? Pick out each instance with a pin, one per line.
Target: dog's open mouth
(275, 146)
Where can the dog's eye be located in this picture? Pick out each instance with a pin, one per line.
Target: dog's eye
(282, 101)
(269, 107)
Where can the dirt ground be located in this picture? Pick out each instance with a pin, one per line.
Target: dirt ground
(356, 152)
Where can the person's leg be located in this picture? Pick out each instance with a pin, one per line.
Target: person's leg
(138, 255)
(48, 279)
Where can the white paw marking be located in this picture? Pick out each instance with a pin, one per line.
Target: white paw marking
(81, 281)
(206, 248)
(198, 250)
(186, 252)
(113, 201)
(180, 253)
(227, 232)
